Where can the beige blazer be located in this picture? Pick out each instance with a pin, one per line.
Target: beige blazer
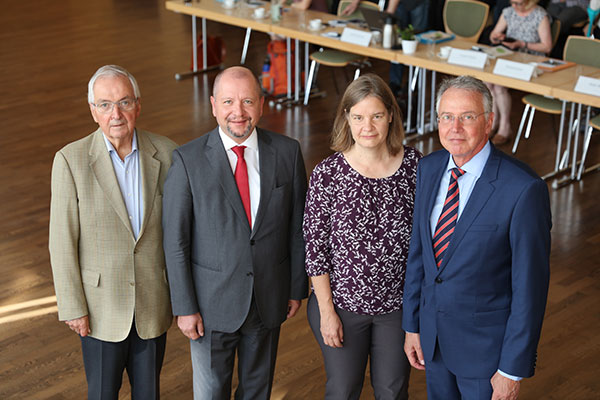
(99, 268)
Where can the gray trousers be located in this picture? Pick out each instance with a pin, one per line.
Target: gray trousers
(213, 359)
(378, 337)
(105, 362)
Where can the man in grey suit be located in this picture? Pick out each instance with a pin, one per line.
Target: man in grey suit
(232, 216)
(105, 241)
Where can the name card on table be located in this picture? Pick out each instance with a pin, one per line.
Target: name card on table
(467, 58)
(356, 36)
(514, 69)
(588, 85)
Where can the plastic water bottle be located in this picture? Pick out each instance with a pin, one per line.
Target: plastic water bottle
(388, 33)
(275, 10)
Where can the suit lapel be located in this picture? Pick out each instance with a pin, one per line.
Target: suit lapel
(219, 162)
(432, 188)
(149, 171)
(479, 197)
(267, 160)
(101, 166)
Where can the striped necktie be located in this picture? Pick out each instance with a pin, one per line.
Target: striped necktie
(445, 225)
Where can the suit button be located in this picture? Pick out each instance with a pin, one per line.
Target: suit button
(438, 280)
(249, 274)
(131, 283)
(252, 242)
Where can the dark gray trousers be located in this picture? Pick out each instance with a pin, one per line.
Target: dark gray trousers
(105, 362)
(213, 359)
(378, 337)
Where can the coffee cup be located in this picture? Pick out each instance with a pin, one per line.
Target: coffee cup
(445, 51)
(259, 12)
(229, 3)
(315, 24)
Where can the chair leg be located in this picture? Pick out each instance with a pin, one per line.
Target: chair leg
(586, 145)
(521, 125)
(528, 131)
(245, 48)
(309, 81)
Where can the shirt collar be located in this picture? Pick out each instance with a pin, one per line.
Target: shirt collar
(476, 164)
(251, 141)
(111, 148)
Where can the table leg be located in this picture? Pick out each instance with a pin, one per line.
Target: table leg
(205, 68)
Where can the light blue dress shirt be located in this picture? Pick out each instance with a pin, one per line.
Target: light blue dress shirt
(466, 183)
(128, 175)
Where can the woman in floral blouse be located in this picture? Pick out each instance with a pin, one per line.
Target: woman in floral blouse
(357, 226)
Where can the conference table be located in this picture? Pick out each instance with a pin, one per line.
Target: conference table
(294, 25)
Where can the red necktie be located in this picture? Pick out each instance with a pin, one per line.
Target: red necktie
(241, 178)
(445, 225)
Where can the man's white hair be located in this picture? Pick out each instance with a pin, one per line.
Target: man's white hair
(111, 70)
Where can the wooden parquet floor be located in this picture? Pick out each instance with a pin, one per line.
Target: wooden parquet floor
(48, 51)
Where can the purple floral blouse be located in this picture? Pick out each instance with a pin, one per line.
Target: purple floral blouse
(357, 230)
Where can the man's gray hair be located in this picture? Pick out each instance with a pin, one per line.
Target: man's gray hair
(111, 70)
(469, 83)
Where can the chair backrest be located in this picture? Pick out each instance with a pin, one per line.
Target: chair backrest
(356, 14)
(465, 18)
(554, 31)
(582, 50)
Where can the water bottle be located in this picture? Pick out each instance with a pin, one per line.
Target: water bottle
(388, 33)
(275, 10)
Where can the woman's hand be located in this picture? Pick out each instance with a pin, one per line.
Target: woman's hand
(514, 44)
(332, 329)
(497, 38)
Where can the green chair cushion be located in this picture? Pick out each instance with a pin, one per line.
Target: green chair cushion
(549, 105)
(335, 57)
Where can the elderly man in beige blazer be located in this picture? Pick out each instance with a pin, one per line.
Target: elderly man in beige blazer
(106, 241)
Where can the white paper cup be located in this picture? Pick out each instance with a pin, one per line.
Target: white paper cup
(259, 12)
(229, 3)
(315, 24)
(445, 51)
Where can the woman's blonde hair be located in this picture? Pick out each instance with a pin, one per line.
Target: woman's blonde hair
(363, 87)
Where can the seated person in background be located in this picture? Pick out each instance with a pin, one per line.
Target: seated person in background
(315, 5)
(569, 13)
(407, 12)
(523, 27)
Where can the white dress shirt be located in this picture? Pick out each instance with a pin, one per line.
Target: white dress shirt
(127, 172)
(251, 157)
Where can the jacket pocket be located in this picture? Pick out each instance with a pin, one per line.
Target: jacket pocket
(491, 318)
(483, 228)
(91, 278)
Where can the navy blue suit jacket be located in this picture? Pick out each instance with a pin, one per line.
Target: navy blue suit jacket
(485, 304)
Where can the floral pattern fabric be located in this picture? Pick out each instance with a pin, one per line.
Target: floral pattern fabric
(524, 28)
(357, 230)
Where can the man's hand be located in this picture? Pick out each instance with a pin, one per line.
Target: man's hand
(504, 388)
(81, 326)
(412, 348)
(293, 306)
(191, 325)
(332, 329)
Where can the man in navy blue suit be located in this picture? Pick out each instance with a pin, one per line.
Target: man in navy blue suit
(478, 267)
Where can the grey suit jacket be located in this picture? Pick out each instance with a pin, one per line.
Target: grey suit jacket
(99, 268)
(214, 262)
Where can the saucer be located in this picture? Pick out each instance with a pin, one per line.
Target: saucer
(267, 15)
(442, 57)
(316, 30)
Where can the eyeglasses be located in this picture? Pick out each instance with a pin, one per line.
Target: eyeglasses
(517, 3)
(467, 118)
(106, 107)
